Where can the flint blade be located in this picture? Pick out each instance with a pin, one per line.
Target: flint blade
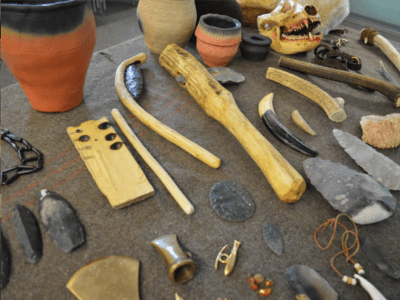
(226, 75)
(28, 233)
(379, 258)
(5, 262)
(273, 238)
(60, 221)
(382, 168)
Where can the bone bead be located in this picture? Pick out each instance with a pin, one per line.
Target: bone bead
(382, 132)
(301, 123)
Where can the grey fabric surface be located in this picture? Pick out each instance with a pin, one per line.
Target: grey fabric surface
(129, 231)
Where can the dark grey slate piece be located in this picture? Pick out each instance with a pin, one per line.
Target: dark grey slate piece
(226, 75)
(306, 283)
(231, 201)
(273, 238)
(28, 233)
(60, 221)
(356, 194)
(379, 258)
(5, 262)
(382, 168)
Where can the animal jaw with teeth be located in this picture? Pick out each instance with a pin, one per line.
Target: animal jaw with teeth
(292, 27)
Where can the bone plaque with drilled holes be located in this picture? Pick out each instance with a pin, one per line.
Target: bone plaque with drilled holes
(113, 168)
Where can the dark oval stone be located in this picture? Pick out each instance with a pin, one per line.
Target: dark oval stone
(231, 201)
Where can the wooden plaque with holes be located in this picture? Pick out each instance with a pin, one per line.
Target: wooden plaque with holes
(114, 169)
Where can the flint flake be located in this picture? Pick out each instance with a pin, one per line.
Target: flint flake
(306, 283)
(5, 262)
(60, 221)
(382, 168)
(231, 201)
(273, 238)
(379, 258)
(28, 233)
(356, 194)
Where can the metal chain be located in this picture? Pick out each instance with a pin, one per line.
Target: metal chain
(22, 169)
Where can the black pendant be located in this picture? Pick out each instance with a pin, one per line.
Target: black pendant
(60, 221)
(5, 262)
(231, 201)
(28, 233)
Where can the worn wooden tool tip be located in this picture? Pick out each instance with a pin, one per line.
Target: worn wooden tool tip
(109, 277)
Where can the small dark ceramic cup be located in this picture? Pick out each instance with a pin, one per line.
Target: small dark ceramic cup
(255, 47)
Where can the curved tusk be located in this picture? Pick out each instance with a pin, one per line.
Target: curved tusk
(301, 123)
(371, 290)
(332, 106)
(283, 134)
(148, 120)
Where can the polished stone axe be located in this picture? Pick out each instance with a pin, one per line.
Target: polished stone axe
(220, 105)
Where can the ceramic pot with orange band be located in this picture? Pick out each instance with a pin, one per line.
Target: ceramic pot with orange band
(48, 45)
(218, 39)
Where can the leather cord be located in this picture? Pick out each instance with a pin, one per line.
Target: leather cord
(332, 57)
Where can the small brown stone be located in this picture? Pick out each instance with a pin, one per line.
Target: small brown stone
(258, 278)
(382, 132)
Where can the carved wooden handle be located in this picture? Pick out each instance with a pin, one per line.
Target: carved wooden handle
(343, 76)
(219, 104)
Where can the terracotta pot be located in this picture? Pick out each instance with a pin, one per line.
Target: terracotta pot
(218, 39)
(164, 22)
(255, 47)
(48, 49)
(229, 8)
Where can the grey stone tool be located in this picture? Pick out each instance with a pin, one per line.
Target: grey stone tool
(5, 262)
(28, 233)
(226, 75)
(273, 238)
(306, 283)
(356, 194)
(379, 258)
(231, 201)
(60, 221)
(382, 168)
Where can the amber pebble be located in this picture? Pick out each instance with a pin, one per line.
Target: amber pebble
(258, 278)
(252, 282)
(269, 283)
(264, 292)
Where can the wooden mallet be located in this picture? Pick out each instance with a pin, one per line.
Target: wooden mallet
(220, 105)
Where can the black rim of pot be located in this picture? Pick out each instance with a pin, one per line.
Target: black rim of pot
(257, 39)
(40, 6)
(205, 20)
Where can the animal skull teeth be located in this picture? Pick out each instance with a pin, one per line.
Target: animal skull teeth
(301, 30)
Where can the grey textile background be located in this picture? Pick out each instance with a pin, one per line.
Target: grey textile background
(129, 231)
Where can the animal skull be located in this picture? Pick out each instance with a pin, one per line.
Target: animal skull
(291, 27)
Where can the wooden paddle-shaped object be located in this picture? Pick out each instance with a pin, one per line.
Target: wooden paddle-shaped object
(220, 105)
